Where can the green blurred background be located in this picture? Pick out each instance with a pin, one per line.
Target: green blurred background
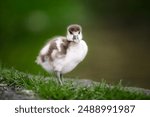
(117, 33)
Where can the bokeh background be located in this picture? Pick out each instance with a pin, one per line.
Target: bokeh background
(116, 31)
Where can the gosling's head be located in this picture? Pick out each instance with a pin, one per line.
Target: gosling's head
(74, 33)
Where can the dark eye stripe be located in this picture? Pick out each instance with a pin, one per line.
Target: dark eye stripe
(70, 32)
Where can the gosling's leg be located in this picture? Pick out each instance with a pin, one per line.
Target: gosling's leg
(59, 77)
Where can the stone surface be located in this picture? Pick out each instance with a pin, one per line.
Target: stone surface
(15, 93)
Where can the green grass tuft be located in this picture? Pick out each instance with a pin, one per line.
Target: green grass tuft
(47, 87)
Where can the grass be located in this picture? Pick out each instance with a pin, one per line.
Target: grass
(47, 88)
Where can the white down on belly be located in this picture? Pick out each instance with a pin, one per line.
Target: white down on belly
(75, 54)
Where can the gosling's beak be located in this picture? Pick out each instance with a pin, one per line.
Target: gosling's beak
(75, 37)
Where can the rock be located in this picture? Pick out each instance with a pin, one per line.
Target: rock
(13, 93)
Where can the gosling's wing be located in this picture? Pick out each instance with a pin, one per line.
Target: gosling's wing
(59, 48)
(55, 48)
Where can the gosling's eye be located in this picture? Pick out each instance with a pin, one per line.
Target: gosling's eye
(70, 32)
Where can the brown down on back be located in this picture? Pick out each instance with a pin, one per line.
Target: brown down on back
(64, 46)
